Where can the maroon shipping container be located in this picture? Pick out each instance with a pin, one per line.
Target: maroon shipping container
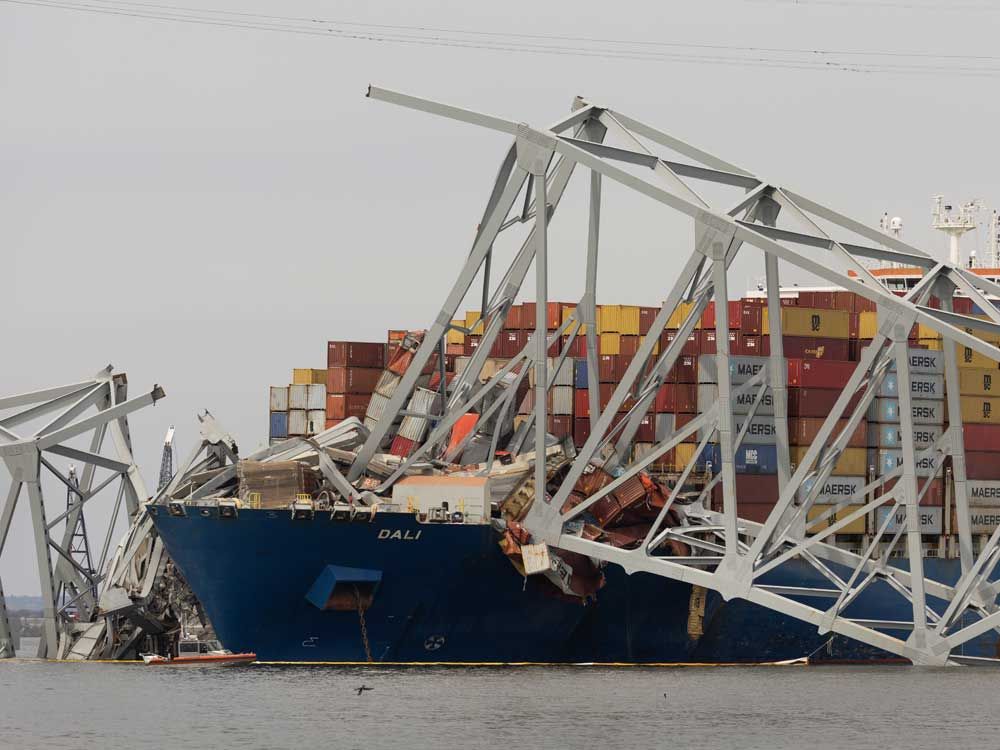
(690, 346)
(684, 397)
(344, 405)
(355, 354)
(750, 345)
(809, 347)
(560, 425)
(578, 348)
(803, 431)
(607, 368)
(844, 301)
(352, 379)
(508, 344)
(853, 325)
(962, 305)
(981, 464)
(402, 446)
(816, 402)
(756, 494)
(751, 318)
(628, 345)
(515, 318)
(646, 317)
(581, 430)
(685, 370)
(982, 437)
(553, 315)
(581, 402)
(470, 344)
(607, 389)
(933, 496)
(735, 311)
(647, 430)
(706, 340)
(664, 401)
(821, 373)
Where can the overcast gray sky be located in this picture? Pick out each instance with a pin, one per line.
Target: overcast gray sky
(204, 206)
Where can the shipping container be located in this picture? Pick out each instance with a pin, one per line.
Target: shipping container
(561, 400)
(749, 459)
(278, 398)
(344, 405)
(815, 526)
(560, 425)
(816, 402)
(279, 424)
(708, 395)
(453, 336)
(553, 315)
(581, 430)
(298, 396)
(580, 379)
(810, 347)
(834, 490)
(805, 321)
(751, 318)
(930, 519)
(315, 396)
(976, 381)
(629, 344)
(316, 421)
(741, 368)
(811, 373)
(984, 520)
(610, 343)
(889, 459)
(332, 422)
(607, 368)
(981, 437)
(981, 410)
(302, 375)
(355, 354)
(680, 314)
(298, 422)
(761, 430)
(387, 383)
(683, 454)
(685, 370)
(886, 411)
(851, 463)
(755, 493)
(867, 325)
(981, 464)
(473, 323)
(891, 436)
(401, 446)
(922, 385)
(803, 431)
(352, 379)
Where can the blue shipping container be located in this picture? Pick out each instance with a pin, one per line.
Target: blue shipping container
(749, 459)
(279, 424)
(580, 374)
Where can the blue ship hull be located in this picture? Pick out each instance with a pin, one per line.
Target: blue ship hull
(446, 593)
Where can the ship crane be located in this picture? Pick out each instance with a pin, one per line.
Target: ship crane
(167, 460)
(730, 555)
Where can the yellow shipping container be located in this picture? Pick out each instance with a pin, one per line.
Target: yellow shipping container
(980, 410)
(609, 319)
(867, 324)
(568, 310)
(630, 320)
(970, 358)
(471, 316)
(656, 346)
(811, 321)
(924, 331)
(456, 337)
(857, 526)
(302, 376)
(319, 377)
(683, 454)
(852, 462)
(979, 381)
(610, 343)
(679, 315)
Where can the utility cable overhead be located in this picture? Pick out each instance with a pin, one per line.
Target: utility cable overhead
(676, 52)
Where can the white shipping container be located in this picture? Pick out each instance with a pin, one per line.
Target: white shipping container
(298, 397)
(921, 360)
(562, 400)
(664, 426)
(760, 432)
(741, 368)
(316, 421)
(922, 386)
(984, 493)
(835, 490)
(298, 422)
(709, 395)
(279, 398)
(316, 396)
(984, 520)
(423, 401)
(930, 519)
(924, 411)
(376, 408)
(387, 383)
(563, 377)
(891, 436)
(461, 363)
(890, 459)
(468, 495)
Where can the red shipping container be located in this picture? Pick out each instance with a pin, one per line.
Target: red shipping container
(560, 425)
(863, 304)
(962, 305)
(751, 318)
(750, 345)
(803, 431)
(553, 315)
(706, 340)
(402, 446)
(812, 373)
(332, 422)
(844, 301)
(664, 401)
(807, 299)
(685, 370)
(470, 344)
(682, 419)
(816, 402)
(981, 437)
(355, 354)
(581, 430)
(509, 343)
(435, 382)
(646, 317)
(352, 379)
(454, 350)
(607, 390)
(578, 349)
(607, 368)
(629, 345)
(344, 405)
(515, 317)
(682, 397)
(735, 315)
(581, 402)
(981, 464)
(756, 494)
(647, 431)
(933, 496)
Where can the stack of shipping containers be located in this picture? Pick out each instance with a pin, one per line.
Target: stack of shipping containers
(825, 333)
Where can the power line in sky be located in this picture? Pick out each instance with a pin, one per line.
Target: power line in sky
(850, 61)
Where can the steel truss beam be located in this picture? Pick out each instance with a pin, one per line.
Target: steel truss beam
(735, 554)
(62, 416)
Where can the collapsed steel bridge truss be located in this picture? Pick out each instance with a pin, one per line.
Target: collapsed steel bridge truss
(94, 411)
(732, 555)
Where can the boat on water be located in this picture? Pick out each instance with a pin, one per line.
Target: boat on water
(194, 652)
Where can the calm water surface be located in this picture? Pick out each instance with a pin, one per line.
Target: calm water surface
(59, 705)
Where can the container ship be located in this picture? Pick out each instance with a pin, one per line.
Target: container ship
(435, 571)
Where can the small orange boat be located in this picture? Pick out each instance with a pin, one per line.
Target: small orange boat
(195, 652)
